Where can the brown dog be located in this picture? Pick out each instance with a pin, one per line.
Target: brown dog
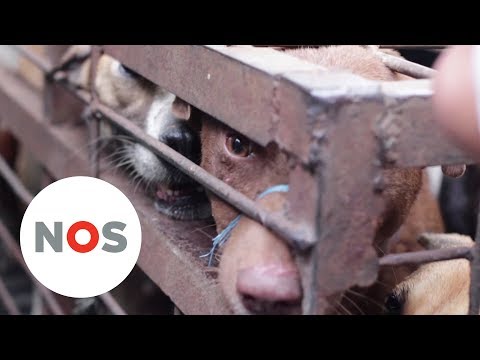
(439, 288)
(257, 271)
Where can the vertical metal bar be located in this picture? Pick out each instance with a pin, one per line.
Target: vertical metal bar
(94, 57)
(95, 135)
(346, 218)
(59, 105)
(7, 299)
(474, 305)
(94, 121)
(48, 89)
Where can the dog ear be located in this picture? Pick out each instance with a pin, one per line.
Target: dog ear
(181, 109)
(431, 241)
(75, 54)
(70, 62)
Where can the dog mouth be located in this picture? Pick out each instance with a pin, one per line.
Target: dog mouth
(182, 202)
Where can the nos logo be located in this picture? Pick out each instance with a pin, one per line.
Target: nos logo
(80, 237)
(42, 233)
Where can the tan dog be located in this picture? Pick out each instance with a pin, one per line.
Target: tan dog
(439, 288)
(257, 272)
(160, 115)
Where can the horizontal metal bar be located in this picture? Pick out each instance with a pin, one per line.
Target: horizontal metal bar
(171, 250)
(264, 94)
(14, 249)
(406, 67)
(7, 299)
(421, 257)
(15, 183)
(262, 71)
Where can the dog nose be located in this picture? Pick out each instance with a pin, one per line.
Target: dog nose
(183, 140)
(270, 289)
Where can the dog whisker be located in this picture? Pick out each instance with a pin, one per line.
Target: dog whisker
(351, 301)
(367, 298)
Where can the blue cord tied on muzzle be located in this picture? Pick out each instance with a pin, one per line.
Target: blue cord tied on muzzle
(222, 237)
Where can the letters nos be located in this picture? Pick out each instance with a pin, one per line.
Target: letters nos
(43, 234)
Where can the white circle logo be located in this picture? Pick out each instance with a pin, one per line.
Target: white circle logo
(80, 237)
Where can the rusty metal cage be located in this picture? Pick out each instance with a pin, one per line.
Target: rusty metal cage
(262, 93)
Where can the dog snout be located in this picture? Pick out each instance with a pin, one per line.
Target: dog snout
(270, 289)
(183, 140)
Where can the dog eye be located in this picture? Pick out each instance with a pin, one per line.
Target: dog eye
(126, 71)
(394, 304)
(239, 146)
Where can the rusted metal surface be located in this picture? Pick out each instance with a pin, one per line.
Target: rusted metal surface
(421, 257)
(234, 84)
(407, 131)
(474, 304)
(270, 68)
(96, 52)
(7, 299)
(347, 218)
(171, 250)
(239, 86)
(14, 250)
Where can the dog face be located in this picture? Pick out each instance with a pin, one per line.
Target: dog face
(257, 271)
(153, 109)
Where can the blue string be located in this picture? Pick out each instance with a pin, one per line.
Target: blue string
(222, 237)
